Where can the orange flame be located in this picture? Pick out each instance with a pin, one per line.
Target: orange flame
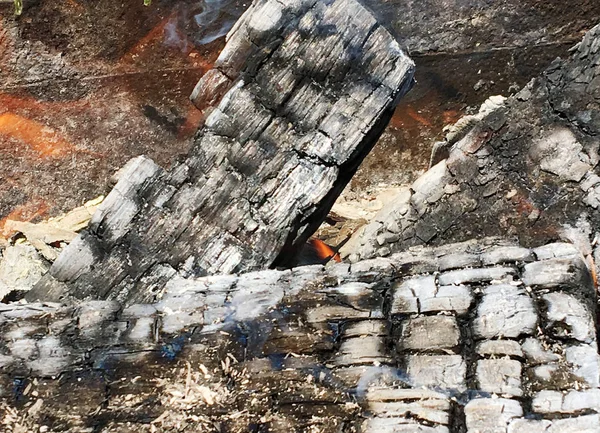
(324, 251)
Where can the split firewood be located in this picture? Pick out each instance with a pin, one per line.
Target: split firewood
(299, 95)
(473, 337)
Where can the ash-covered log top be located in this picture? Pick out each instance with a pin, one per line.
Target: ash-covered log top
(299, 96)
(482, 336)
(525, 166)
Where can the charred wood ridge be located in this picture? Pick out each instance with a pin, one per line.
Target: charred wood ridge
(463, 337)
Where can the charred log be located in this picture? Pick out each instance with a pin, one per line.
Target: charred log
(526, 166)
(485, 335)
(425, 340)
(302, 92)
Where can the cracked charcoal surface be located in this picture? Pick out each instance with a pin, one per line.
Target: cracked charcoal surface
(383, 345)
(481, 336)
(526, 166)
(305, 89)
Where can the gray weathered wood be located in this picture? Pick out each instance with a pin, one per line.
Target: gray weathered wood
(301, 92)
(479, 336)
(525, 166)
(316, 348)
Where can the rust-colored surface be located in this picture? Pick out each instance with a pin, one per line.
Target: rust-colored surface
(40, 138)
(86, 85)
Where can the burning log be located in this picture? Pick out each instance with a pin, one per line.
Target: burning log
(302, 91)
(424, 340)
(526, 166)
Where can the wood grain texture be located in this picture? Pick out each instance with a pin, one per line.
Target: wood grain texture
(301, 93)
(417, 341)
(525, 166)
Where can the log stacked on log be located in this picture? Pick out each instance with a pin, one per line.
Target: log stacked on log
(420, 341)
(474, 337)
(302, 91)
(527, 166)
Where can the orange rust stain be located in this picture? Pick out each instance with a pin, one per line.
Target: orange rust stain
(16, 110)
(401, 119)
(156, 32)
(14, 103)
(324, 251)
(397, 120)
(25, 212)
(416, 116)
(38, 136)
(157, 35)
(408, 117)
(451, 116)
(192, 122)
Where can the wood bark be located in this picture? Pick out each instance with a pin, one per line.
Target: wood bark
(526, 166)
(425, 340)
(302, 91)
